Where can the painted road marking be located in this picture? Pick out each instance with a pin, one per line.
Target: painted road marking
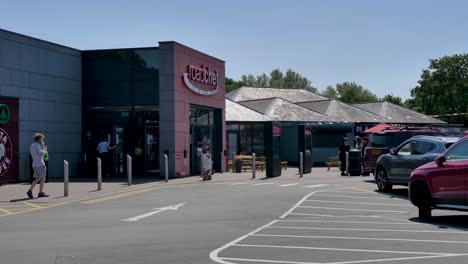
(124, 194)
(289, 184)
(240, 183)
(367, 229)
(264, 183)
(5, 212)
(341, 262)
(342, 249)
(339, 202)
(316, 185)
(350, 196)
(365, 238)
(348, 222)
(349, 209)
(158, 210)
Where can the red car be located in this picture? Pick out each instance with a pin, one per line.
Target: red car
(382, 142)
(442, 184)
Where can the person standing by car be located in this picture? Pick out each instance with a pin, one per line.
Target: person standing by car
(344, 148)
(37, 151)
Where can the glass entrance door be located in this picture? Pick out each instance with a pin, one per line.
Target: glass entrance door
(201, 137)
(152, 149)
(119, 156)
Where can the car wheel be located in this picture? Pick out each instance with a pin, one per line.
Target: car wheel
(425, 213)
(382, 181)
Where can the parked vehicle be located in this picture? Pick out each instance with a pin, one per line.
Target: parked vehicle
(442, 184)
(381, 142)
(395, 167)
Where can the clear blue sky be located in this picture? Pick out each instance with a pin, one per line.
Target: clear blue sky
(382, 45)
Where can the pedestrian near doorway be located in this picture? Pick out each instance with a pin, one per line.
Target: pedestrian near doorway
(344, 148)
(103, 149)
(37, 151)
(206, 163)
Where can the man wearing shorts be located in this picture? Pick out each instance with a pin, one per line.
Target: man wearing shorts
(37, 151)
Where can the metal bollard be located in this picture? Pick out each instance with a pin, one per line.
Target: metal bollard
(99, 174)
(222, 161)
(166, 169)
(254, 168)
(65, 178)
(347, 163)
(129, 169)
(301, 164)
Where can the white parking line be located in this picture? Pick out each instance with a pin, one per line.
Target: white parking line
(346, 222)
(289, 184)
(408, 205)
(315, 186)
(365, 238)
(357, 197)
(264, 183)
(297, 204)
(266, 261)
(342, 249)
(342, 262)
(366, 229)
(348, 209)
(240, 183)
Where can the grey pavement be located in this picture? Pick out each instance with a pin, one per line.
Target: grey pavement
(321, 218)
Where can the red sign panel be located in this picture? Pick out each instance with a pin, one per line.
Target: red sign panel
(9, 115)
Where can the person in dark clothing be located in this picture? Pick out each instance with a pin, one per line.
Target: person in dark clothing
(342, 155)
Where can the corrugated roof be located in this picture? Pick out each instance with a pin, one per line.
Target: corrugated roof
(278, 109)
(341, 111)
(392, 113)
(238, 112)
(254, 93)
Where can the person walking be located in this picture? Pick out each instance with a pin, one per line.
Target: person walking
(37, 151)
(344, 148)
(103, 149)
(206, 163)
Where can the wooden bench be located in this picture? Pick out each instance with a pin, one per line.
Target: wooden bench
(333, 162)
(247, 163)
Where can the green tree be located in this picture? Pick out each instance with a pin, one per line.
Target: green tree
(443, 88)
(352, 93)
(392, 99)
(231, 84)
(330, 92)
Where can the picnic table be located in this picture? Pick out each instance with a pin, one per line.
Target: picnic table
(333, 162)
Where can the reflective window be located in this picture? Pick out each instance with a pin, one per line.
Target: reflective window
(458, 152)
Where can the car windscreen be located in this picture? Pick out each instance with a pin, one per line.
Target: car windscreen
(387, 140)
(447, 145)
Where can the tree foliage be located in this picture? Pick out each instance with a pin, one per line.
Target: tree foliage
(276, 79)
(443, 88)
(392, 99)
(231, 84)
(351, 93)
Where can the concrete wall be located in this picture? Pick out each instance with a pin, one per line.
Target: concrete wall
(46, 78)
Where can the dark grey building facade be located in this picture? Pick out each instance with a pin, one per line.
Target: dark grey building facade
(45, 79)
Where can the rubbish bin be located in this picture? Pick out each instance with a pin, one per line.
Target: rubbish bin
(307, 162)
(238, 166)
(355, 162)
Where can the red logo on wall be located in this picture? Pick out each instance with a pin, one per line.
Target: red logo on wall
(203, 76)
(6, 152)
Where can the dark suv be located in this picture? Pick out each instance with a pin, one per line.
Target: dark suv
(381, 142)
(442, 184)
(395, 167)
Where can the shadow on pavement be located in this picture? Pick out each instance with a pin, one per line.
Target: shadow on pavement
(22, 200)
(446, 221)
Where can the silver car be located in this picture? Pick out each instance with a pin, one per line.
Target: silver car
(395, 168)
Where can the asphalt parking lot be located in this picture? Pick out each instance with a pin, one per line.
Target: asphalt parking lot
(352, 225)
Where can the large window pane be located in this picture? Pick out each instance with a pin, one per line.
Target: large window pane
(245, 139)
